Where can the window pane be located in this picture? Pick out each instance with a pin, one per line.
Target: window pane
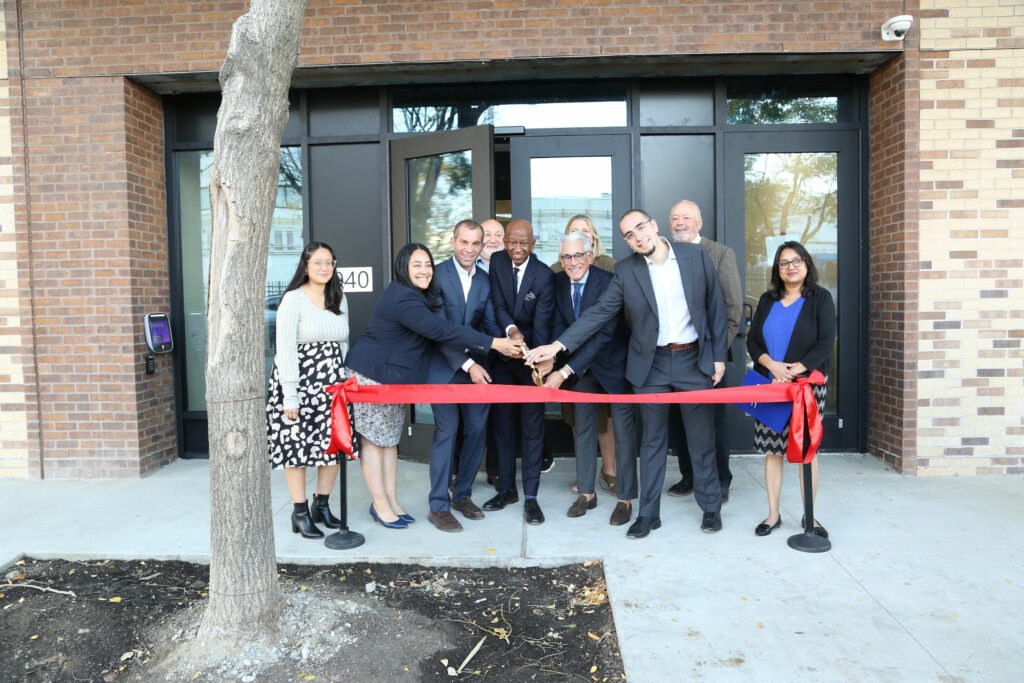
(793, 100)
(560, 188)
(285, 246)
(440, 191)
(553, 105)
(793, 197)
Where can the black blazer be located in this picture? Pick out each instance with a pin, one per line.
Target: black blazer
(604, 353)
(532, 308)
(813, 337)
(476, 311)
(395, 346)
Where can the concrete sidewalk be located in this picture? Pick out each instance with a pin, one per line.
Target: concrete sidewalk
(925, 581)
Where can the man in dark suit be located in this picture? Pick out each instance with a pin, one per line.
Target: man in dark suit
(521, 290)
(686, 222)
(466, 292)
(678, 343)
(597, 366)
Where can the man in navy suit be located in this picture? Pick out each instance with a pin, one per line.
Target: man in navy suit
(521, 289)
(597, 366)
(466, 292)
(678, 343)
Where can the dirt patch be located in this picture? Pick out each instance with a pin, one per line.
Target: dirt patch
(364, 622)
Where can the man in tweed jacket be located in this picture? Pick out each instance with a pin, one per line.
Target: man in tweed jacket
(685, 221)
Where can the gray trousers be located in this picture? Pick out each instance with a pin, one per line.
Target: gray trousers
(677, 371)
(624, 432)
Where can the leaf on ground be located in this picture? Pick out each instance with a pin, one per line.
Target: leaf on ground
(34, 637)
(593, 635)
(491, 550)
(127, 655)
(760, 624)
(114, 599)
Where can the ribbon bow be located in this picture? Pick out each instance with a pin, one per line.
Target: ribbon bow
(799, 427)
(341, 427)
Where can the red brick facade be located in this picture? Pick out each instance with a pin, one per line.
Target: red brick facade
(89, 186)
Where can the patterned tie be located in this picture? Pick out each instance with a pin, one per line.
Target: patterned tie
(576, 287)
(515, 280)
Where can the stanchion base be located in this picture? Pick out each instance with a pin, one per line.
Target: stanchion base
(344, 540)
(809, 543)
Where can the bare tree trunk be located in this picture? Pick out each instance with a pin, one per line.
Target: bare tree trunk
(244, 594)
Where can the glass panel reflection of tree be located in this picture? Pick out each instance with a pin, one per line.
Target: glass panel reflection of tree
(440, 195)
(792, 196)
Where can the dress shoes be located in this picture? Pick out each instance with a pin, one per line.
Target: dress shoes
(493, 481)
(621, 514)
(320, 513)
(547, 462)
(683, 487)
(581, 505)
(408, 519)
(711, 522)
(531, 512)
(397, 524)
(444, 521)
(764, 528)
(302, 523)
(501, 500)
(725, 496)
(643, 526)
(468, 508)
(818, 529)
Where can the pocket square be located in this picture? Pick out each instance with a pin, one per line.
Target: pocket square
(530, 296)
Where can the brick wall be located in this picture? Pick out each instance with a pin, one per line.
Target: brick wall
(98, 258)
(15, 341)
(971, 374)
(100, 37)
(893, 284)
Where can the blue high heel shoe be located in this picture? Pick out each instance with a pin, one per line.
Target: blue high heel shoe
(408, 519)
(397, 524)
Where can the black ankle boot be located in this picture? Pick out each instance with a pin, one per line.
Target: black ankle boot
(321, 512)
(303, 524)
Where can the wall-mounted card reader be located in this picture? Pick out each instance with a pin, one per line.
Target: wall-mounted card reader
(158, 333)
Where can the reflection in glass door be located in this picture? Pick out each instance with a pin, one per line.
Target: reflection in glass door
(563, 187)
(804, 187)
(792, 196)
(440, 194)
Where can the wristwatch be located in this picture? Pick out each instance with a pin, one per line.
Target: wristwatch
(565, 375)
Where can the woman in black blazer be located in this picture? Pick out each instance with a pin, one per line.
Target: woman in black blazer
(394, 351)
(792, 333)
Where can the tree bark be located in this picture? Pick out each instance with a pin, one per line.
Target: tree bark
(245, 597)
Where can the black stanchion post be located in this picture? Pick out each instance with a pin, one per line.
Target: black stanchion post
(808, 541)
(343, 539)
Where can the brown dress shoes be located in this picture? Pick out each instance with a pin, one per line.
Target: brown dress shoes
(444, 521)
(580, 507)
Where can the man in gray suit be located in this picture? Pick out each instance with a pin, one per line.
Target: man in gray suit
(686, 222)
(678, 343)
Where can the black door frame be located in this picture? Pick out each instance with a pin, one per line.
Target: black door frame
(842, 429)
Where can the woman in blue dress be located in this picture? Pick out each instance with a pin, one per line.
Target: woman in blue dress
(792, 333)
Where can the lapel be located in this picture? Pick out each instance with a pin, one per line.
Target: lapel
(589, 290)
(641, 271)
(455, 287)
(475, 294)
(686, 273)
(525, 280)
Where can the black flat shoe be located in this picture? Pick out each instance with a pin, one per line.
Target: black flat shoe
(501, 500)
(643, 526)
(764, 528)
(711, 522)
(320, 513)
(682, 487)
(818, 529)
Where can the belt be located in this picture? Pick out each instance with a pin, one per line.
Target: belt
(679, 347)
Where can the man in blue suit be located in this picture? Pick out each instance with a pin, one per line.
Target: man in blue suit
(466, 292)
(597, 366)
(678, 343)
(521, 289)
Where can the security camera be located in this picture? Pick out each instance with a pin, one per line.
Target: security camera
(897, 27)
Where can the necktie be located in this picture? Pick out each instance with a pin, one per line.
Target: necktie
(576, 287)
(515, 280)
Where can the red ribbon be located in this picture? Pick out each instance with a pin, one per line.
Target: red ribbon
(803, 401)
(351, 391)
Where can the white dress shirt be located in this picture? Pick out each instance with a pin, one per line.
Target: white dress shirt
(674, 324)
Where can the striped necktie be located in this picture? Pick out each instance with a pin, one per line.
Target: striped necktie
(576, 296)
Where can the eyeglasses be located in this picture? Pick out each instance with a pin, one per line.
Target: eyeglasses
(630, 236)
(569, 258)
(323, 264)
(795, 262)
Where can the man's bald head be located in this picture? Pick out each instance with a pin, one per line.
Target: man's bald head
(519, 241)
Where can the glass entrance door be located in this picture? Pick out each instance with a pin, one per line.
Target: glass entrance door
(802, 187)
(437, 180)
